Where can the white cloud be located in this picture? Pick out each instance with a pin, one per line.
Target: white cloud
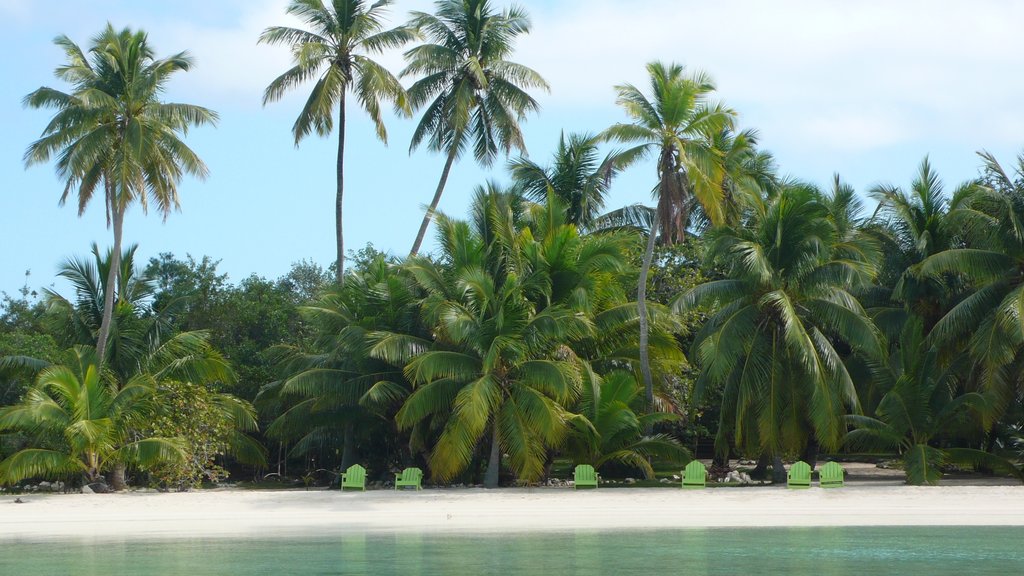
(930, 69)
(820, 66)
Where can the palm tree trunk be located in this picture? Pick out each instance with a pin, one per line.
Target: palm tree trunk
(117, 477)
(348, 449)
(494, 463)
(338, 224)
(117, 214)
(778, 470)
(641, 297)
(433, 203)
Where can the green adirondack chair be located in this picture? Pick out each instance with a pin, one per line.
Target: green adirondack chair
(585, 476)
(831, 475)
(695, 475)
(409, 477)
(354, 477)
(799, 475)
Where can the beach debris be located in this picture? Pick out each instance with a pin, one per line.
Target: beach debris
(676, 477)
(630, 480)
(20, 501)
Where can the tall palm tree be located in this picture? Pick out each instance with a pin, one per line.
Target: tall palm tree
(336, 52)
(113, 131)
(473, 95)
(678, 125)
(776, 321)
(579, 177)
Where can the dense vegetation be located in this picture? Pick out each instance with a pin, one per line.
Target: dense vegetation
(745, 314)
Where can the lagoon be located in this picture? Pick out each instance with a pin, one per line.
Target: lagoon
(835, 551)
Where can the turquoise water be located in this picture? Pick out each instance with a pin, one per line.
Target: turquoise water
(820, 551)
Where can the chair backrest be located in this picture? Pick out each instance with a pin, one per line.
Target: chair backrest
(831, 472)
(412, 474)
(585, 472)
(800, 473)
(355, 475)
(695, 472)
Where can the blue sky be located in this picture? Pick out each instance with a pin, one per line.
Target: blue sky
(865, 89)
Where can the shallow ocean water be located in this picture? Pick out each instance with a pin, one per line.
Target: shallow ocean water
(851, 551)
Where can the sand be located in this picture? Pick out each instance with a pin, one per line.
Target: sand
(229, 513)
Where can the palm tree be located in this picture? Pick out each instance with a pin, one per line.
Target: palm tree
(776, 321)
(75, 321)
(921, 222)
(922, 409)
(609, 430)
(987, 322)
(678, 125)
(86, 422)
(142, 345)
(498, 369)
(336, 52)
(473, 95)
(327, 391)
(112, 130)
(578, 177)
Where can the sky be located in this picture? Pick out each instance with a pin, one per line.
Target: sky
(865, 89)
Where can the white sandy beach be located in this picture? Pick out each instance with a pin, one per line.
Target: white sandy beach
(225, 513)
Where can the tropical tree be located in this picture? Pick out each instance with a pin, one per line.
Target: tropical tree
(779, 323)
(498, 370)
(923, 411)
(609, 428)
(113, 131)
(678, 125)
(918, 223)
(473, 96)
(85, 423)
(183, 367)
(326, 392)
(337, 53)
(75, 321)
(578, 177)
(987, 321)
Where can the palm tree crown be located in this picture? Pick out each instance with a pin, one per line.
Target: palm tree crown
(112, 130)
(336, 53)
(473, 95)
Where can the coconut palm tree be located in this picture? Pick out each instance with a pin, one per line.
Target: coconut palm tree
(142, 345)
(579, 177)
(677, 124)
(775, 323)
(921, 222)
(113, 131)
(923, 408)
(498, 370)
(473, 96)
(326, 392)
(610, 430)
(987, 321)
(85, 423)
(337, 52)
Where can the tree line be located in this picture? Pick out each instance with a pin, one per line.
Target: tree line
(776, 317)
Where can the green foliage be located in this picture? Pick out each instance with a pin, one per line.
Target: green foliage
(609, 429)
(85, 423)
(209, 424)
(777, 318)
